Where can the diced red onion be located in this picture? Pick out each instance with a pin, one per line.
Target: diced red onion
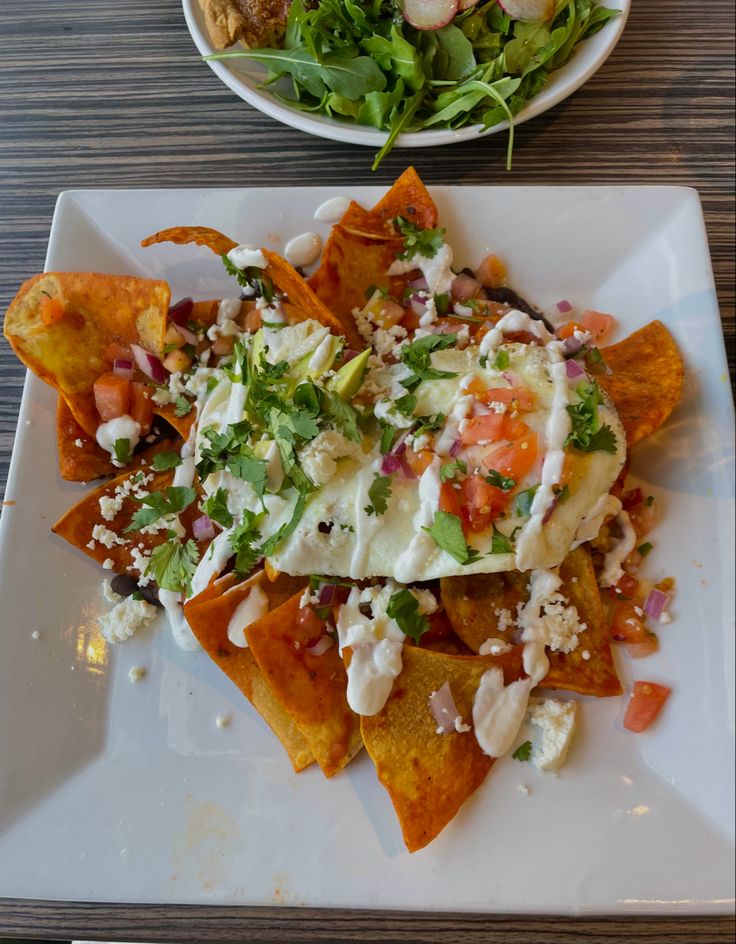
(563, 306)
(180, 312)
(656, 603)
(203, 529)
(321, 646)
(189, 336)
(443, 708)
(326, 594)
(148, 363)
(550, 510)
(390, 464)
(456, 447)
(512, 378)
(123, 368)
(419, 285)
(632, 498)
(571, 345)
(464, 287)
(348, 355)
(574, 370)
(418, 306)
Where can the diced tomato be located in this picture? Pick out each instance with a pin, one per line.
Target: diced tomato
(112, 396)
(488, 428)
(450, 499)
(386, 312)
(640, 650)
(222, 346)
(492, 271)
(632, 498)
(516, 459)
(476, 387)
(626, 624)
(253, 320)
(141, 406)
(411, 320)
(643, 518)
(598, 323)
(519, 397)
(418, 461)
(628, 586)
(523, 337)
(52, 310)
(567, 330)
(117, 352)
(482, 503)
(646, 703)
(440, 628)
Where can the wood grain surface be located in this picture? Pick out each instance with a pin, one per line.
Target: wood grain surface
(103, 93)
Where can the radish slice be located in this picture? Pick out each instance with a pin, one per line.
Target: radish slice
(530, 11)
(429, 14)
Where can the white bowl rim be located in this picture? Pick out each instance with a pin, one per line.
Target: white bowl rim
(559, 88)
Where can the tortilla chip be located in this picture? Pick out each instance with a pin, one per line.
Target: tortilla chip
(182, 424)
(199, 235)
(303, 302)
(351, 264)
(98, 309)
(572, 671)
(428, 775)
(646, 378)
(478, 605)
(209, 616)
(311, 688)
(408, 197)
(80, 458)
(475, 605)
(77, 524)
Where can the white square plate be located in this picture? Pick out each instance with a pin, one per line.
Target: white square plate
(117, 791)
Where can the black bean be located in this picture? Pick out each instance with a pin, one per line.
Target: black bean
(150, 594)
(124, 585)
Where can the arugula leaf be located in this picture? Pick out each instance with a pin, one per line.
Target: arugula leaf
(182, 406)
(588, 434)
(524, 500)
(450, 469)
(165, 460)
(418, 357)
(418, 241)
(172, 564)
(122, 450)
(215, 507)
(500, 481)
(523, 752)
(378, 495)
(160, 504)
(403, 607)
(447, 532)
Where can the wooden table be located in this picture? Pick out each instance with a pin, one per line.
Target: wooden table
(99, 93)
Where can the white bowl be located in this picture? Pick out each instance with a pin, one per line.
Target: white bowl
(245, 79)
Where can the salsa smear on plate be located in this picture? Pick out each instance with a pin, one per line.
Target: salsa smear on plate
(388, 500)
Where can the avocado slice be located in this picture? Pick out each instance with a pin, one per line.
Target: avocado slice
(348, 380)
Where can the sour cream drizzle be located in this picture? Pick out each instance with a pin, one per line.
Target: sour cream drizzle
(252, 608)
(181, 631)
(612, 570)
(422, 545)
(332, 210)
(304, 249)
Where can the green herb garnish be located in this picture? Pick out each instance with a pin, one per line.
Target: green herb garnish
(523, 752)
(122, 450)
(404, 608)
(161, 504)
(450, 469)
(588, 434)
(500, 481)
(378, 495)
(165, 460)
(215, 507)
(447, 532)
(172, 564)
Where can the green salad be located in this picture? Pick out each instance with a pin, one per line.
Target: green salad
(366, 63)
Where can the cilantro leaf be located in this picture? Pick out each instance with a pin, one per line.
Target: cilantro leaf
(500, 544)
(447, 532)
(215, 507)
(286, 529)
(450, 469)
(523, 752)
(182, 406)
(524, 501)
(406, 404)
(378, 494)
(172, 564)
(165, 460)
(245, 466)
(388, 434)
(159, 504)
(587, 433)
(243, 539)
(251, 277)
(122, 450)
(418, 241)
(404, 608)
(500, 481)
(418, 357)
(342, 415)
(429, 424)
